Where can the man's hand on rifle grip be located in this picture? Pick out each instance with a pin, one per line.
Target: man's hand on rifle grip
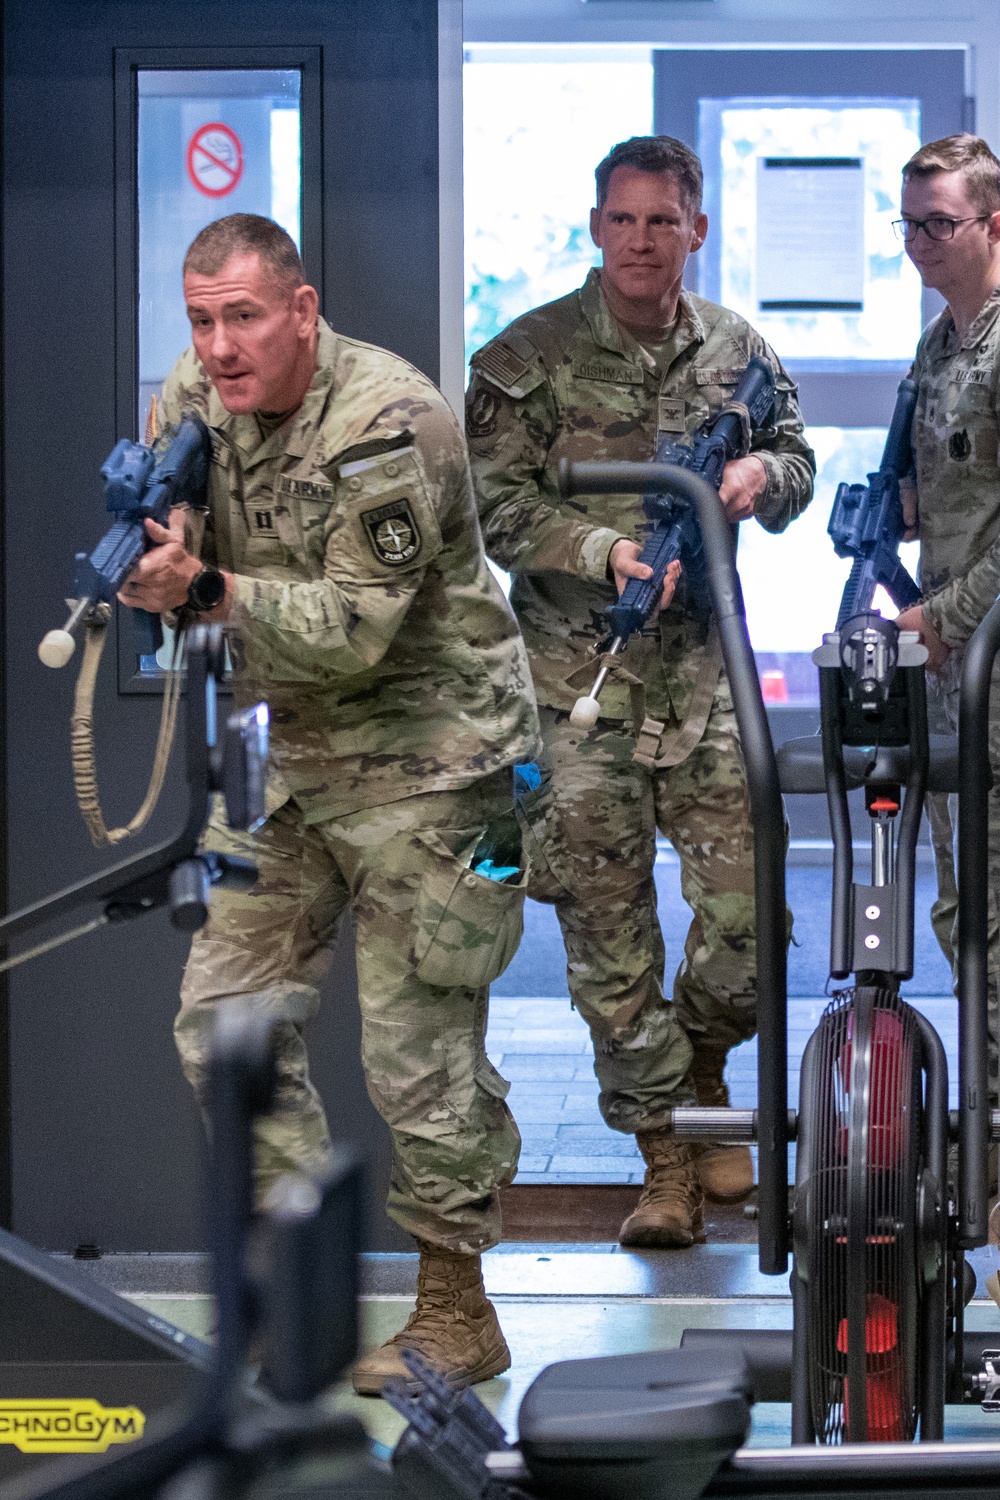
(161, 578)
(911, 515)
(915, 619)
(744, 481)
(623, 564)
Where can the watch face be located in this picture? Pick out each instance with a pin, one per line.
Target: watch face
(208, 589)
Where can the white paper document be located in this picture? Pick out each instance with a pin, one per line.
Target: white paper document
(810, 233)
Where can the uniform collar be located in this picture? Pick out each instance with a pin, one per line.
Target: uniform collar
(980, 326)
(609, 334)
(292, 441)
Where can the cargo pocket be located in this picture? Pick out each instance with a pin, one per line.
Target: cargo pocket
(467, 926)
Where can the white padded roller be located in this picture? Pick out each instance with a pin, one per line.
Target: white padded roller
(584, 713)
(56, 648)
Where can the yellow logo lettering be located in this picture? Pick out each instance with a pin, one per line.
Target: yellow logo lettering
(70, 1426)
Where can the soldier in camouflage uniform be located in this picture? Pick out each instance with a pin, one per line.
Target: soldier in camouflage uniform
(599, 375)
(951, 225)
(342, 549)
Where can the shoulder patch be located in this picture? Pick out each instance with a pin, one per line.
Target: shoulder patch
(482, 411)
(506, 361)
(392, 532)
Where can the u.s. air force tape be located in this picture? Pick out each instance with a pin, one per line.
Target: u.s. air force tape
(392, 532)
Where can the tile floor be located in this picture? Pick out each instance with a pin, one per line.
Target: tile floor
(540, 1044)
(543, 1048)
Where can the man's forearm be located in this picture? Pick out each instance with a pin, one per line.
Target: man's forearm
(956, 610)
(790, 473)
(524, 533)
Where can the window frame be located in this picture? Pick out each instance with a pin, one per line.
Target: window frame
(128, 63)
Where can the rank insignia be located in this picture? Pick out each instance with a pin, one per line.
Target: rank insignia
(392, 532)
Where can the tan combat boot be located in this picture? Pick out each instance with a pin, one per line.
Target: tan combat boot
(725, 1172)
(668, 1215)
(454, 1326)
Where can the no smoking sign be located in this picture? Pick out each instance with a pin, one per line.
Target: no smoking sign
(214, 160)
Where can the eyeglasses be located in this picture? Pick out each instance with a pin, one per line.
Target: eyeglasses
(935, 229)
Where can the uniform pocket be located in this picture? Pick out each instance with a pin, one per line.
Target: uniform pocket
(467, 927)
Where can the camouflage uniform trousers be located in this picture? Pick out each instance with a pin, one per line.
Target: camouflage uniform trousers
(591, 836)
(942, 815)
(403, 871)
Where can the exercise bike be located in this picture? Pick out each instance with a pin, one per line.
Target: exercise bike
(876, 1236)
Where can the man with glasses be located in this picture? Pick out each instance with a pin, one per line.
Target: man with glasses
(601, 374)
(951, 228)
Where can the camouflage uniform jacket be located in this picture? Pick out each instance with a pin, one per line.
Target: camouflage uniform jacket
(364, 610)
(956, 435)
(567, 381)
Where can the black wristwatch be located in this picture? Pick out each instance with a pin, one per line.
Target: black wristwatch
(206, 590)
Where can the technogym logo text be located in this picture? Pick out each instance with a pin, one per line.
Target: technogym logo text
(71, 1426)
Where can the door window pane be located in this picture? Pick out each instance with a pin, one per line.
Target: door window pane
(737, 137)
(211, 142)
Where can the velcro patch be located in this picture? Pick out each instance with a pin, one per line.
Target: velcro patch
(609, 370)
(262, 520)
(483, 411)
(971, 377)
(670, 413)
(505, 365)
(305, 489)
(393, 533)
(717, 377)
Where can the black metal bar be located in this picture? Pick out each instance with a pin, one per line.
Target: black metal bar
(973, 887)
(933, 1310)
(835, 775)
(803, 1427)
(768, 819)
(861, 1469)
(909, 818)
(241, 1084)
(146, 874)
(858, 1179)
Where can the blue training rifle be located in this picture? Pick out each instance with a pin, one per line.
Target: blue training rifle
(674, 529)
(137, 486)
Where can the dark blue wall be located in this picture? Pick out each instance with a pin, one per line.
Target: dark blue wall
(104, 1142)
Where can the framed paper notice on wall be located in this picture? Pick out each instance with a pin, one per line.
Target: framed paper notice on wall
(810, 233)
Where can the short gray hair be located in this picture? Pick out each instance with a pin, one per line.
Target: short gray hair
(655, 153)
(213, 248)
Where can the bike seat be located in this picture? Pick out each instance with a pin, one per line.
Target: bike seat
(800, 764)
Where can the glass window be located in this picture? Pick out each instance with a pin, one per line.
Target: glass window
(535, 128)
(737, 138)
(787, 623)
(211, 142)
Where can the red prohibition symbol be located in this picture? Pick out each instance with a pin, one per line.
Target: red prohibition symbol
(214, 159)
